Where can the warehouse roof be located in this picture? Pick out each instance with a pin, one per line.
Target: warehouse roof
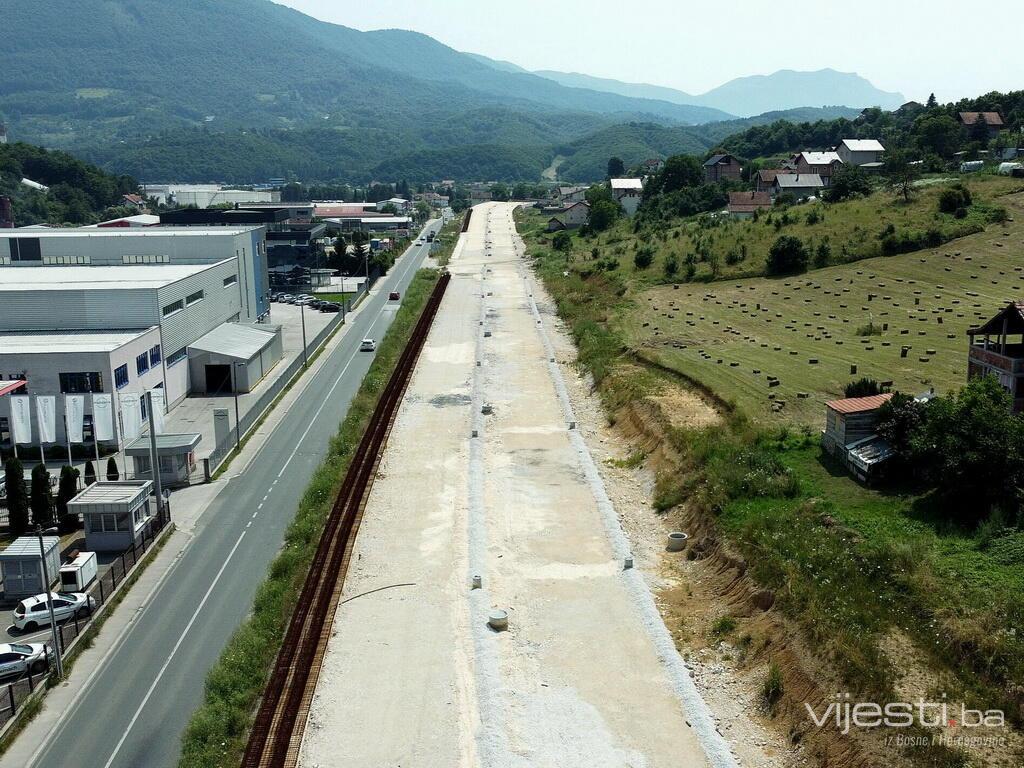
(99, 277)
(42, 342)
(92, 231)
(236, 340)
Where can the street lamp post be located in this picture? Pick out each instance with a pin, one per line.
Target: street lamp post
(49, 600)
(305, 352)
(238, 421)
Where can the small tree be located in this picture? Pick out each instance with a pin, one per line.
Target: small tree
(67, 489)
(17, 496)
(932, 101)
(901, 173)
(90, 473)
(113, 473)
(863, 387)
(562, 241)
(849, 181)
(671, 266)
(787, 256)
(644, 257)
(603, 214)
(41, 501)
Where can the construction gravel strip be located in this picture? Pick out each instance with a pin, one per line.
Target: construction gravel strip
(586, 673)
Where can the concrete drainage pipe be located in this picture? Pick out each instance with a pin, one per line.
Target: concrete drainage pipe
(677, 541)
(498, 620)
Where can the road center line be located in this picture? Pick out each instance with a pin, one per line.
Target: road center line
(174, 651)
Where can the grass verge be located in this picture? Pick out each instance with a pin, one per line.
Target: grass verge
(216, 734)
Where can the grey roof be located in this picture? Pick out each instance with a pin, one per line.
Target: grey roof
(72, 340)
(28, 546)
(174, 443)
(235, 340)
(79, 278)
(113, 492)
(799, 180)
(715, 160)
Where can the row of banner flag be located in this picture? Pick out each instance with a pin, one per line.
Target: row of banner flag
(103, 404)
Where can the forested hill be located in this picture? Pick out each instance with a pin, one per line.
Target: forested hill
(79, 193)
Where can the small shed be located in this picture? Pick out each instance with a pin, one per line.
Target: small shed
(116, 514)
(233, 357)
(177, 458)
(22, 567)
(850, 435)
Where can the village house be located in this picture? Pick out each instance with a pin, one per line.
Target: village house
(992, 354)
(138, 202)
(993, 121)
(799, 185)
(861, 152)
(764, 179)
(850, 434)
(823, 164)
(743, 204)
(720, 168)
(573, 217)
(652, 166)
(569, 195)
(628, 193)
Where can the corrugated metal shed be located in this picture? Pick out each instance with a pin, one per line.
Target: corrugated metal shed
(28, 546)
(242, 342)
(859, 404)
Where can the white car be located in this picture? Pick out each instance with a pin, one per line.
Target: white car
(32, 612)
(19, 659)
(367, 345)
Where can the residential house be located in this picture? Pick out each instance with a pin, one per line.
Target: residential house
(138, 202)
(824, 164)
(862, 152)
(993, 121)
(628, 193)
(994, 355)
(764, 179)
(721, 167)
(652, 166)
(569, 195)
(850, 434)
(800, 185)
(743, 204)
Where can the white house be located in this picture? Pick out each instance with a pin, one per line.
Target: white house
(860, 151)
(628, 193)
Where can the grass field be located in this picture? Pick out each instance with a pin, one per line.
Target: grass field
(731, 336)
(722, 247)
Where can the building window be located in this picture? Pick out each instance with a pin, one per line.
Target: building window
(146, 259)
(177, 357)
(154, 355)
(230, 280)
(142, 363)
(177, 306)
(193, 298)
(5, 430)
(80, 383)
(121, 376)
(25, 249)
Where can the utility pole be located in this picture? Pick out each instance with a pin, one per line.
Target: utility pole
(155, 456)
(238, 421)
(305, 352)
(49, 601)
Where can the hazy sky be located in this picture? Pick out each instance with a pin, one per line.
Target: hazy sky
(911, 46)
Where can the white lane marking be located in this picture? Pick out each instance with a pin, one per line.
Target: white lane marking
(174, 650)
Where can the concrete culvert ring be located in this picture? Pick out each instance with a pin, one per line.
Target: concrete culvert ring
(498, 620)
(677, 541)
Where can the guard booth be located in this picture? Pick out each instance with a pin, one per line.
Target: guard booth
(22, 568)
(116, 514)
(177, 458)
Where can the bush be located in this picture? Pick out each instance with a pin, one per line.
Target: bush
(772, 687)
(90, 473)
(113, 473)
(562, 241)
(671, 266)
(954, 197)
(41, 501)
(787, 256)
(823, 255)
(863, 387)
(67, 489)
(644, 257)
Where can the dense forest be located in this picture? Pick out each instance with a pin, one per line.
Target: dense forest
(79, 193)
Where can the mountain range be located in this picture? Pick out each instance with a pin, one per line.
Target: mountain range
(232, 89)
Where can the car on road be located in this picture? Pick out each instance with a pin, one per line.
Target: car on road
(32, 612)
(394, 296)
(367, 345)
(19, 659)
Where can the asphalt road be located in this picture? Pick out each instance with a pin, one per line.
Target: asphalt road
(133, 711)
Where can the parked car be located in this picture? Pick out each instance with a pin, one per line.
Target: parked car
(316, 303)
(329, 306)
(32, 612)
(367, 345)
(394, 296)
(19, 659)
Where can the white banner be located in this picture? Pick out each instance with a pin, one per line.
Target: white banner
(102, 413)
(131, 415)
(74, 416)
(159, 409)
(21, 418)
(46, 416)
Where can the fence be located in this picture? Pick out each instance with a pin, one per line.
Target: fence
(13, 695)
